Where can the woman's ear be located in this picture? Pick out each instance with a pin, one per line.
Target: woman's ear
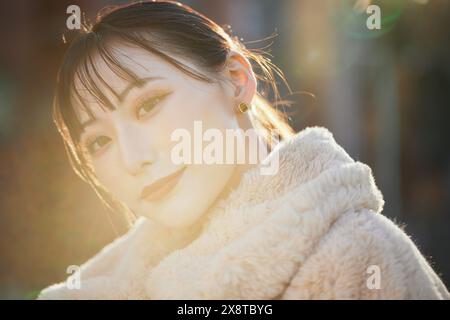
(241, 75)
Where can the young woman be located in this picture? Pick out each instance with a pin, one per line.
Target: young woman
(311, 228)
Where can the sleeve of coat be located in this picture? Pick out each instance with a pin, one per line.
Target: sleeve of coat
(365, 255)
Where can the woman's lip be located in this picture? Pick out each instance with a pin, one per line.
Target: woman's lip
(161, 187)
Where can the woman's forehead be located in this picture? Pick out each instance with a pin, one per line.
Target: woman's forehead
(111, 76)
(135, 60)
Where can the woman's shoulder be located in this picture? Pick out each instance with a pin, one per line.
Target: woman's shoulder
(344, 200)
(366, 255)
(106, 268)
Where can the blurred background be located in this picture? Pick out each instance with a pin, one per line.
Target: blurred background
(385, 95)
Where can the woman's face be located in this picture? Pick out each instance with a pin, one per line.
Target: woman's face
(131, 147)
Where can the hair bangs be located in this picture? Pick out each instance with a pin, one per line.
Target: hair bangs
(86, 80)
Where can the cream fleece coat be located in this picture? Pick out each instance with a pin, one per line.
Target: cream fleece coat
(312, 231)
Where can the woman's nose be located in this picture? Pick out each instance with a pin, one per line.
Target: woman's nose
(136, 152)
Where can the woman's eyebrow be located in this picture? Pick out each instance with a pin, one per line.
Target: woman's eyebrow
(136, 84)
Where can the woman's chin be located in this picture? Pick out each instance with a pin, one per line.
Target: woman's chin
(189, 201)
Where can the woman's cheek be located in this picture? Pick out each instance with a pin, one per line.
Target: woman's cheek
(108, 173)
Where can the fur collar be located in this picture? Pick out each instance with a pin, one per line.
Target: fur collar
(256, 239)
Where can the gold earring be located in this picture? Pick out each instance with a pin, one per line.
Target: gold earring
(243, 107)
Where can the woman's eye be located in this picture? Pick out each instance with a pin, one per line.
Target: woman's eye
(97, 144)
(146, 107)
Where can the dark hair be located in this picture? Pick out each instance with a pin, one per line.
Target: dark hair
(166, 29)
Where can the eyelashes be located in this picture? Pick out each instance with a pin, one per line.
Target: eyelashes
(97, 144)
(148, 106)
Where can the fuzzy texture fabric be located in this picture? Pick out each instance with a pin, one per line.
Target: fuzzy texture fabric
(312, 231)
